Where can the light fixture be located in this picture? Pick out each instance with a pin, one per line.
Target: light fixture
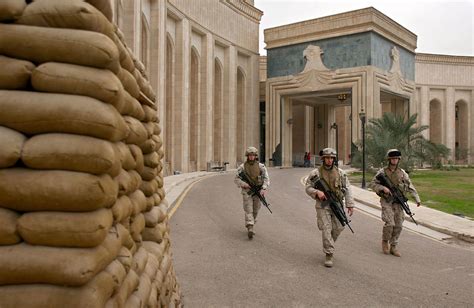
(342, 97)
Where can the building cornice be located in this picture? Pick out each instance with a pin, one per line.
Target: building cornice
(245, 9)
(443, 59)
(358, 21)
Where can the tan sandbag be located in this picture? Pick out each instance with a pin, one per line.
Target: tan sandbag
(160, 152)
(158, 141)
(117, 166)
(138, 156)
(161, 193)
(157, 130)
(132, 107)
(126, 289)
(145, 87)
(126, 61)
(125, 258)
(147, 147)
(151, 115)
(69, 152)
(150, 203)
(37, 113)
(137, 132)
(163, 206)
(154, 248)
(104, 6)
(151, 160)
(159, 179)
(11, 145)
(154, 234)
(62, 229)
(149, 187)
(117, 272)
(23, 263)
(138, 202)
(150, 127)
(11, 10)
(65, 78)
(8, 230)
(152, 266)
(140, 258)
(144, 100)
(122, 208)
(136, 179)
(54, 190)
(124, 181)
(72, 14)
(15, 74)
(129, 83)
(153, 217)
(94, 294)
(153, 299)
(137, 224)
(165, 264)
(126, 157)
(149, 174)
(42, 44)
(127, 240)
(140, 297)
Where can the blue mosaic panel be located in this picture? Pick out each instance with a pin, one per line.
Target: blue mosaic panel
(354, 50)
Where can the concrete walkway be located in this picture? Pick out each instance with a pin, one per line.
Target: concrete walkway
(457, 227)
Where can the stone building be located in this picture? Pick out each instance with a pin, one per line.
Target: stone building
(202, 59)
(324, 77)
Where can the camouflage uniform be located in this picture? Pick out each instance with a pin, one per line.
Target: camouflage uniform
(392, 212)
(338, 181)
(257, 172)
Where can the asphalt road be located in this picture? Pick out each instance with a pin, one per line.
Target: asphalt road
(217, 266)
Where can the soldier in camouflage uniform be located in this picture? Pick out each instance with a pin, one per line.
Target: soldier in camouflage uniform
(338, 182)
(392, 212)
(258, 174)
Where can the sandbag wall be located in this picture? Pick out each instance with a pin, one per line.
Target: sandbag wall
(83, 218)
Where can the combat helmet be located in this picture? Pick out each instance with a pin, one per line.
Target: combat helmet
(327, 152)
(251, 150)
(393, 153)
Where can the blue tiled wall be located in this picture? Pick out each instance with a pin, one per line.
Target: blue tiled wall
(354, 50)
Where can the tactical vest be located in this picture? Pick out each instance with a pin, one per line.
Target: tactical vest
(333, 179)
(253, 172)
(396, 177)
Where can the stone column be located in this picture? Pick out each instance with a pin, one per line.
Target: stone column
(229, 123)
(425, 110)
(130, 29)
(207, 93)
(182, 87)
(450, 129)
(287, 133)
(252, 132)
(308, 115)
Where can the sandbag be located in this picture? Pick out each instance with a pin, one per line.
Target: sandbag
(122, 208)
(151, 115)
(125, 258)
(117, 272)
(124, 181)
(36, 113)
(155, 216)
(149, 146)
(10, 10)
(104, 6)
(94, 294)
(126, 289)
(66, 78)
(149, 187)
(152, 266)
(150, 203)
(15, 74)
(137, 224)
(138, 200)
(138, 156)
(69, 152)
(11, 143)
(129, 83)
(157, 130)
(140, 297)
(140, 258)
(153, 299)
(37, 190)
(150, 127)
(23, 263)
(8, 231)
(42, 44)
(72, 14)
(62, 229)
(146, 101)
(151, 160)
(126, 157)
(132, 107)
(154, 248)
(126, 61)
(148, 173)
(127, 240)
(154, 234)
(137, 132)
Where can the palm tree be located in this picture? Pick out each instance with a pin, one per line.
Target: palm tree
(393, 131)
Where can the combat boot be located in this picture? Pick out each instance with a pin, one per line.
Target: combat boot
(394, 251)
(385, 247)
(250, 233)
(328, 262)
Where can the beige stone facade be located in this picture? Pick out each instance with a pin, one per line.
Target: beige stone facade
(205, 74)
(307, 106)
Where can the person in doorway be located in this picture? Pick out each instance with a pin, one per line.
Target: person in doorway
(257, 174)
(308, 159)
(338, 183)
(392, 212)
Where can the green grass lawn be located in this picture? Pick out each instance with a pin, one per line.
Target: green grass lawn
(448, 191)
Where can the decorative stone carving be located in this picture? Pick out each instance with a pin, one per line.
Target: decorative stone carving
(315, 74)
(395, 55)
(314, 61)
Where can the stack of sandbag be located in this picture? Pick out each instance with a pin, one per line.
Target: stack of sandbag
(82, 206)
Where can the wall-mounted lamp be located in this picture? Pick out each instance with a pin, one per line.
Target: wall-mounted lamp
(342, 97)
(289, 121)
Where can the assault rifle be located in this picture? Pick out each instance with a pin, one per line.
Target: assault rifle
(335, 203)
(396, 193)
(254, 190)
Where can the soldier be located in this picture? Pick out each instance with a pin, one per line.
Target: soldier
(392, 212)
(338, 182)
(258, 175)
